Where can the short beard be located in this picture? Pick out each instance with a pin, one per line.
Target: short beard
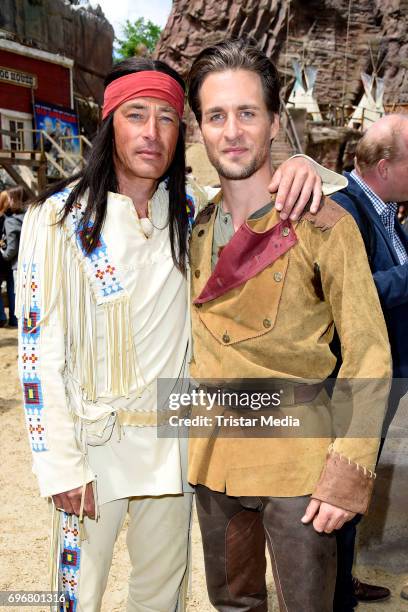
(240, 173)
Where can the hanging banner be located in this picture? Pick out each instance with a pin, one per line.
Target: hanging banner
(61, 124)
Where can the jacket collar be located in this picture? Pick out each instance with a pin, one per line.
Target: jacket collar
(359, 193)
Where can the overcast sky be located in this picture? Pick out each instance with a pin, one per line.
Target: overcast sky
(117, 11)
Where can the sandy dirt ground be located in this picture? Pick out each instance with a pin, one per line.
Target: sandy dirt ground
(25, 524)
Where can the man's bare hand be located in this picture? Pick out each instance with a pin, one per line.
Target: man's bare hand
(326, 517)
(70, 501)
(296, 181)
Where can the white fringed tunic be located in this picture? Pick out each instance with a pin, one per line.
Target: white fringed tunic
(96, 332)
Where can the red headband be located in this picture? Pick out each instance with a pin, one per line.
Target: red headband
(149, 84)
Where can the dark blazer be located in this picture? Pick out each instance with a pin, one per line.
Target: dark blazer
(11, 234)
(390, 277)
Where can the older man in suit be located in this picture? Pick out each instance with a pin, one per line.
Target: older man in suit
(375, 187)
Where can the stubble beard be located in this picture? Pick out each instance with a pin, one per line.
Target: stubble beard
(242, 173)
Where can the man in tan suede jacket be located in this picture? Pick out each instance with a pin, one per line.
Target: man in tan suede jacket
(266, 296)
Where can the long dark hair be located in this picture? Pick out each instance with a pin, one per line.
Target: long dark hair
(99, 176)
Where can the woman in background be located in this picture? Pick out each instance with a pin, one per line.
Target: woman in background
(12, 206)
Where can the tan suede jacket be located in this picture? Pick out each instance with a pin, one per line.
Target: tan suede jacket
(279, 324)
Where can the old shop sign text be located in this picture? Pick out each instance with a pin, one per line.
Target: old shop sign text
(16, 77)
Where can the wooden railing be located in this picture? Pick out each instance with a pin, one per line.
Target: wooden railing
(60, 156)
(64, 158)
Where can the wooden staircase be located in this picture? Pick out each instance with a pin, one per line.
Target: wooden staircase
(13, 162)
(31, 168)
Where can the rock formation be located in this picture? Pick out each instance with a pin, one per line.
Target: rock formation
(68, 27)
(317, 30)
(314, 30)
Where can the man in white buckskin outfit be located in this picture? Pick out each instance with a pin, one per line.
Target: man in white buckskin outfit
(102, 298)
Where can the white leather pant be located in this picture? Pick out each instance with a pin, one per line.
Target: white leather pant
(157, 541)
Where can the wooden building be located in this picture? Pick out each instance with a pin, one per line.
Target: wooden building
(28, 76)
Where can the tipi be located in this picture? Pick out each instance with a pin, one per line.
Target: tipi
(302, 93)
(370, 108)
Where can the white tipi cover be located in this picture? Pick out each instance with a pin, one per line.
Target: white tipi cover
(370, 108)
(302, 93)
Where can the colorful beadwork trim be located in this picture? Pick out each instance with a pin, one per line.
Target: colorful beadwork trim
(102, 272)
(69, 562)
(190, 206)
(29, 364)
(100, 266)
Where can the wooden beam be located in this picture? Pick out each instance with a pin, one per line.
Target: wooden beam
(18, 179)
(18, 155)
(34, 163)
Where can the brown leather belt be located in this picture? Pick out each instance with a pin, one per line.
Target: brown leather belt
(290, 394)
(307, 393)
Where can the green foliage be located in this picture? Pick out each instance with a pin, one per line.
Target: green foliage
(139, 36)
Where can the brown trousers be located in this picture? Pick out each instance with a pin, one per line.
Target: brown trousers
(234, 531)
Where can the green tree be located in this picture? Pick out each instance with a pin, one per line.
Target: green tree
(138, 38)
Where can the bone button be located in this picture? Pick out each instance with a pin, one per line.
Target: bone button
(277, 277)
(200, 233)
(285, 231)
(226, 338)
(267, 323)
(197, 273)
